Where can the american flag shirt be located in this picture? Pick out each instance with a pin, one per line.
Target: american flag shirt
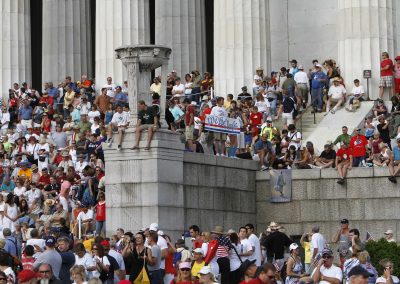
(224, 246)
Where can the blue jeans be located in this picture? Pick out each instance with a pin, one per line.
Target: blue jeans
(357, 161)
(155, 277)
(99, 227)
(316, 98)
(273, 108)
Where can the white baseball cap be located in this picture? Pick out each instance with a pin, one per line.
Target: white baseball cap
(205, 270)
(388, 232)
(153, 227)
(293, 246)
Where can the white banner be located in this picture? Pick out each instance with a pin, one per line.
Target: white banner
(222, 124)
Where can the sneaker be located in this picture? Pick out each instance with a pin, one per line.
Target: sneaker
(223, 155)
(218, 154)
(109, 142)
(119, 148)
(392, 179)
(341, 181)
(333, 111)
(264, 168)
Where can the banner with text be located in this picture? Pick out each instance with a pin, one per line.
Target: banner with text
(222, 124)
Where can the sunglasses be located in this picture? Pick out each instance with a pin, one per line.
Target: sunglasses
(184, 269)
(271, 277)
(94, 248)
(44, 271)
(326, 256)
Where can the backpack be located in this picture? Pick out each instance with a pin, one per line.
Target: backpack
(104, 276)
(177, 257)
(283, 271)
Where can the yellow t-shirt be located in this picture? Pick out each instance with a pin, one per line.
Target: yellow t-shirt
(25, 173)
(196, 268)
(307, 252)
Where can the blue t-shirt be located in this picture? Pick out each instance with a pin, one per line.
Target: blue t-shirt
(315, 83)
(9, 187)
(26, 112)
(52, 91)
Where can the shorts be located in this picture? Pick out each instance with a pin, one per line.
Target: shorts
(287, 118)
(247, 139)
(240, 141)
(117, 128)
(189, 132)
(219, 136)
(386, 81)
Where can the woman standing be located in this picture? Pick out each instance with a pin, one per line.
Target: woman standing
(234, 259)
(100, 213)
(294, 267)
(10, 213)
(139, 255)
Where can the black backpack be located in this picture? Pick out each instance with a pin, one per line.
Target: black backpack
(104, 276)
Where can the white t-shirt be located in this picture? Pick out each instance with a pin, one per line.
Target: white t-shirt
(234, 261)
(5, 118)
(357, 91)
(36, 242)
(294, 136)
(336, 92)
(255, 243)
(262, 105)
(245, 246)
(110, 90)
(19, 191)
(121, 119)
(180, 88)
(381, 279)
(188, 88)
(92, 115)
(317, 241)
(103, 260)
(332, 271)
(85, 216)
(256, 78)
(32, 195)
(219, 111)
(162, 243)
(301, 77)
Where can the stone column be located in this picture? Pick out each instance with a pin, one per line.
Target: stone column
(180, 24)
(15, 44)
(241, 43)
(67, 44)
(365, 30)
(118, 23)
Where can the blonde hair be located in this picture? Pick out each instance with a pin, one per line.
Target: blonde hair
(95, 281)
(363, 256)
(207, 237)
(80, 270)
(386, 262)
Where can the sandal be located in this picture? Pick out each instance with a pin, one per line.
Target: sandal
(135, 148)
(146, 148)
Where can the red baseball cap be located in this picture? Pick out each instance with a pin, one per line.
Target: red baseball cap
(105, 243)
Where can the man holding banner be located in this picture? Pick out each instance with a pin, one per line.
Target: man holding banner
(219, 137)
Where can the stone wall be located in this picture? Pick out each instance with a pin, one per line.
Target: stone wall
(368, 199)
(218, 191)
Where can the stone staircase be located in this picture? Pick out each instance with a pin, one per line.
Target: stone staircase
(305, 123)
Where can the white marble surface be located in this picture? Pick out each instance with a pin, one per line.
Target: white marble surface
(15, 44)
(366, 31)
(118, 22)
(241, 43)
(180, 24)
(66, 40)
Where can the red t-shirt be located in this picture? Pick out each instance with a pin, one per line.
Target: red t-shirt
(344, 154)
(197, 243)
(44, 179)
(101, 211)
(256, 118)
(384, 63)
(189, 110)
(357, 144)
(169, 264)
(205, 112)
(27, 263)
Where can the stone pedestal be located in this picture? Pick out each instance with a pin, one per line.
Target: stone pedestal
(67, 41)
(118, 22)
(180, 24)
(365, 30)
(139, 61)
(241, 43)
(15, 44)
(143, 187)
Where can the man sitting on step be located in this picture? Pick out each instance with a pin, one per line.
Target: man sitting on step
(336, 94)
(356, 96)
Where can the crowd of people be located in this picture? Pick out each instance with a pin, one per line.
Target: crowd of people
(52, 174)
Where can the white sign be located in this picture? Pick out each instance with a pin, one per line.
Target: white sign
(222, 124)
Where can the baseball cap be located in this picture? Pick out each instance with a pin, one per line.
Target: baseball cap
(153, 227)
(50, 241)
(198, 250)
(301, 67)
(105, 243)
(344, 221)
(293, 246)
(359, 271)
(388, 232)
(183, 265)
(26, 274)
(318, 65)
(327, 251)
(205, 270)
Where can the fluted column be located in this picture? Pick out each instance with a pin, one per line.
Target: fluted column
(180, 24)
(365, 30)
(15, 43)
(241, 43)
(118, 23)
(67, 44)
